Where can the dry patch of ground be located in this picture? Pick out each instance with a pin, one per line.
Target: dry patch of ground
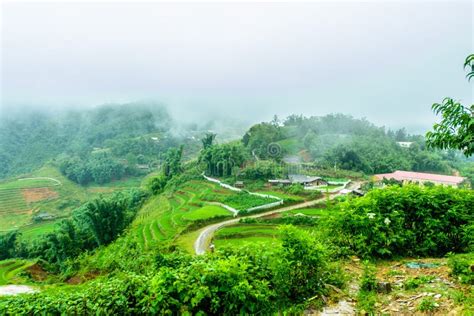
(38, 194)
(416, 287)
(37, 273)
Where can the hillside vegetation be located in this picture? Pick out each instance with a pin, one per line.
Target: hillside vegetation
(131, 251)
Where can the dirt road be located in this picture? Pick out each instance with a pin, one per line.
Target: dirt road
(206, 233)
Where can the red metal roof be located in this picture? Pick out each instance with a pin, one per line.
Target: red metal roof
(419, 176)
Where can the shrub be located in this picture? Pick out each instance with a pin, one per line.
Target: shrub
(408, 220)
(413, 283)
(428, 304)
(368, 281)
(302, 269)
(462, 267)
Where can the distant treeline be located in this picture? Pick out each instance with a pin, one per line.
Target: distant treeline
(138, 133)
(340, 141)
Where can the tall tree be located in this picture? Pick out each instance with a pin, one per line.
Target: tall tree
(208, 140)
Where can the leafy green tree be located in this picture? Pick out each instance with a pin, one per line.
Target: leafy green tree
(208, 140)
(106, 218)
(456, 129)
(8, 243)
(408, 220)
(222, 160)
(172, 165)
(469, 63)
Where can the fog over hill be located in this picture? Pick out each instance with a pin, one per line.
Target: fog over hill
(241, 61)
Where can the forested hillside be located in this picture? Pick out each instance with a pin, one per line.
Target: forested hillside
(341, 141)
(101, 143)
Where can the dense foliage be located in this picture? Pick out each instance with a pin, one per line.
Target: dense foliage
(456, 129)
(407, 221)
(96, 223)
(340, 141)
(100, 168)
(29, 139)
(222, 160)
(242, 281)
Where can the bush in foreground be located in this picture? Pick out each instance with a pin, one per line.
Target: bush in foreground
(230, 282)
(407, 221)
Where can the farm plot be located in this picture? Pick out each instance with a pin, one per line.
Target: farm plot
(17, 198)
(238, 235)
(10, 268)
(166, 216)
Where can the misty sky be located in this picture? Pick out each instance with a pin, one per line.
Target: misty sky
(387, 61)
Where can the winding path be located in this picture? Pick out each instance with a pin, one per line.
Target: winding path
(206, 233)
(42, 178)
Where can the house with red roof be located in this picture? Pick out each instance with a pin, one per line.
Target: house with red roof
(421, 177)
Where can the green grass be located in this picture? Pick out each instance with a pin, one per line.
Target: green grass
(283, 195)
(36, 230)
(164, 217)
(239, 201)
(247, 230)
(291, 145)
(242, 234)
(17, 213)
(9, 270)
(27, 183)
(206, 212)
(239, 242)
(317, 212)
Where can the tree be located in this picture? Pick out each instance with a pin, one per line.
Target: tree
(456, 129)
(401, 135)
(469, 62)
(208, 140)
(172, 165)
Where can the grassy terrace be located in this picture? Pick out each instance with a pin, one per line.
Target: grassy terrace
(240, 234)
(10, 268)
(20, 200)
(266, 232)
(166, 216)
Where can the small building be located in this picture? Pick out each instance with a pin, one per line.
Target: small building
(307, 181)
(420, 177)
(405, 144)
(280, 182)
(239, 184)
(43, 217)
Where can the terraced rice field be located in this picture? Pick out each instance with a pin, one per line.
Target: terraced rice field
(242, 234)
(10, 268)
(16, 198)
(163, 217)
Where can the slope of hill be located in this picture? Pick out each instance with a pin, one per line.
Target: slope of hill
(34, 202)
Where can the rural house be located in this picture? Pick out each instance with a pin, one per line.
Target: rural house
(420, 177)
(307, 181)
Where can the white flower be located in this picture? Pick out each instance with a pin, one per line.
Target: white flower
(371, 215)
(387, 221)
